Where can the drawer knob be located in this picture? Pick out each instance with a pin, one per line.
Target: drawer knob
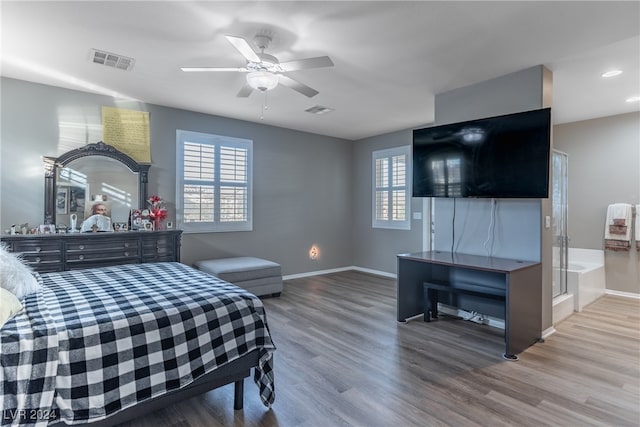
(126, 244)
(81, 247)
(81, 257)
(38, 259)
(38, 249)
(126, 253)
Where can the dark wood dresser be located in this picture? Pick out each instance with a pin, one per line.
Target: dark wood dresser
(59, 252)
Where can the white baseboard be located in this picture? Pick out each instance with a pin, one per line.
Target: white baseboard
(376, 272)
(338, 270)
(622, 294)
(316, 273)
(548, 332)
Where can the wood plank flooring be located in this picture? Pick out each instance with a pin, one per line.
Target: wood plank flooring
(344, 360)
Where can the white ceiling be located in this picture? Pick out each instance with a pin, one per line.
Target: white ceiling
(390, 58)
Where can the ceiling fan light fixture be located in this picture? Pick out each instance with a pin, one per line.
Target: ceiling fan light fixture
(262, 80)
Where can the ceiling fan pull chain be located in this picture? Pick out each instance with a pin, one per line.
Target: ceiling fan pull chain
(263, 107)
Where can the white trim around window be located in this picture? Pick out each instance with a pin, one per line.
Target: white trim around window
(391, 198)
(214, 184)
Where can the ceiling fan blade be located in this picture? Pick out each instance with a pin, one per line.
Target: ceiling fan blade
(244, 48)
(302, 64)
(297, 86)
(245, 91)
(197, 69)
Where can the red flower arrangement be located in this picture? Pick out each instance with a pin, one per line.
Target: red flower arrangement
(157, 211)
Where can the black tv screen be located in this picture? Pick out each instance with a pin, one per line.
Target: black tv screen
(502, 157)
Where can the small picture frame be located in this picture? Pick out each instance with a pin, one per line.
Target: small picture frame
(47, 229)
(138, 218)
(169, 225)
(62, 201)
(120, 226)
(148, 226)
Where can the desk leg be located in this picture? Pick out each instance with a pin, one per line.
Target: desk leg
(410, 299)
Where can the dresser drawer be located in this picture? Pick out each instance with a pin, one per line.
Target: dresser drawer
(28, 247)
(162, 248)
(91, 251)
(102, 245)
(41, 261)
(41, 255)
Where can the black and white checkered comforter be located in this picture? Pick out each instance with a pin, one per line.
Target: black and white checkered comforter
(93, 342)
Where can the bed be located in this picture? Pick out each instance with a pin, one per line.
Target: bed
(107, 344)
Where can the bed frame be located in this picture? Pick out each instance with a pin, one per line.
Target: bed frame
(232, 372)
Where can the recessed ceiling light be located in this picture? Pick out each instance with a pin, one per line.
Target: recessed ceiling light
(611, 73)
(633, 99)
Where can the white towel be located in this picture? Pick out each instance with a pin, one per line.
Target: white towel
(618, 241)
(613, 212)
(619, 211)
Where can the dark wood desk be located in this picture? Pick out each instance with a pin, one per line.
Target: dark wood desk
(521, 280)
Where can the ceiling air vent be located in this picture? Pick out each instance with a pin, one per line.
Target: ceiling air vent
(319, 109)
(112, 60)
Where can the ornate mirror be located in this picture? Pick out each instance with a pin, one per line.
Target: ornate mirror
(79, 180)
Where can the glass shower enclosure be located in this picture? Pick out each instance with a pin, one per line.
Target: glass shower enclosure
(559, 196)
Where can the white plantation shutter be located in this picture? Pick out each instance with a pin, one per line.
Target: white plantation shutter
(214, 188)
(391, 188)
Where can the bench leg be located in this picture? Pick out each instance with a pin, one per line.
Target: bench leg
(426, 304)
(433, 303)
(430, 304)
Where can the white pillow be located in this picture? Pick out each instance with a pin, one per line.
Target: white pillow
(9, 305)
(15, 276)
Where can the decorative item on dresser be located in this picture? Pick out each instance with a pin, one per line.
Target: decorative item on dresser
(60, 252)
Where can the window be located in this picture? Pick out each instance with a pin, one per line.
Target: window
(447, 176)
(214, 188)
(391, 171)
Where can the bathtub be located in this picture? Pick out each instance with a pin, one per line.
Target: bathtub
(585, 276)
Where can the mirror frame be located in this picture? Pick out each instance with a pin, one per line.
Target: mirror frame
(52, 164)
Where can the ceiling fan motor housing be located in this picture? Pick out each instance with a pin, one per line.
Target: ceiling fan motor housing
(267, 63)
(262, 41)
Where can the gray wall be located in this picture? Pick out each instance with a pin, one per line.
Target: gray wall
(302, 194)
(376, 248)
(604, 168)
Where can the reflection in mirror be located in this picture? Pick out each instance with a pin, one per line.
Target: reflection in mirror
(76, 179)
(88, 180)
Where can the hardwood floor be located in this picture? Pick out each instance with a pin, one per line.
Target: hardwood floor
(344, 360)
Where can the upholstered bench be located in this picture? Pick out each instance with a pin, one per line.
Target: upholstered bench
(256, 275)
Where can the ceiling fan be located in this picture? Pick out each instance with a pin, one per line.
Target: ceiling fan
(264, 71)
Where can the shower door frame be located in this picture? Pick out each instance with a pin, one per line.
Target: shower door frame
(560, 222)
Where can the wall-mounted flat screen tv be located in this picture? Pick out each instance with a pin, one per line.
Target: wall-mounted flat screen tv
(502, 157)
